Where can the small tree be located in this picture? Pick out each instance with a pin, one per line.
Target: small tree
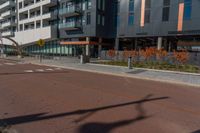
(181, 57)
(130, 53)
(161, 54)
(111, 53)
(148, 53)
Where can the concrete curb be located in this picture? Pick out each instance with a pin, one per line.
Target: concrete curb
(120, 75)
(155, 70)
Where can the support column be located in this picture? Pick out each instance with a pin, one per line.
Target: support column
(87, 50)
(169, 47)
(99, 48)
(117, 44)
(136, 43)
(159, 43)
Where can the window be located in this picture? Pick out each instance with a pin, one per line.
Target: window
(131, 13)
(21, 27)
(131, 6)
(147, 11)
(131, 19)
(38, 24)
(99, 4)
(103, 5)
(88, 18)
(103, 20)
(99, 19)
(166, 10)
(187, 9)
(20, 5)
(89, 4)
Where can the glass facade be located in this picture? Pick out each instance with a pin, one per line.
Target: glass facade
(187, 9)
(131, 13)
(53, 48)
(166, 10)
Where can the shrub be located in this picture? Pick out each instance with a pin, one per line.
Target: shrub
(131, 53)
(181, 57)
(111, 53)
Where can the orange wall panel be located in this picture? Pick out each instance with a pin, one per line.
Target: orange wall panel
(142, 13)
(180, 17)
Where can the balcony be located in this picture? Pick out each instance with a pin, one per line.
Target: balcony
(8, 34)
(51, 15)
(8, 14)
(8, 24)
(47, 3)
(71, 26)
(33, 35)
(69, 12)
(7, 5)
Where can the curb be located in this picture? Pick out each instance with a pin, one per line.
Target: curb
(155, 70)
(120, 75)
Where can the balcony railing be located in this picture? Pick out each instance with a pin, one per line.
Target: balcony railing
(8, 33)
(70, 25)
(6, 5)
(71, 11)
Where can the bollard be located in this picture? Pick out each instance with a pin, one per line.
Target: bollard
(129, 63)
(81, 59)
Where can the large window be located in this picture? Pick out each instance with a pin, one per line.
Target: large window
(147, 11)
(131, 13)
(166, 10)
(187, 9)
(88, 18)
(131, 5)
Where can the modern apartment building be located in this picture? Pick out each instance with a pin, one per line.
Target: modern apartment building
(81, 25)
(8, 21)
(161, 23)
(71, 27)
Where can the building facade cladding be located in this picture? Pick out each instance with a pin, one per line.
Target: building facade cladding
(36, 19)
(86, 18)
(100, 20)
(8, 21)
(158, 18)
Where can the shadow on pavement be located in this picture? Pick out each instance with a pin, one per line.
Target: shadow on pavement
(86, 113)
(99, 127)
(198, 131)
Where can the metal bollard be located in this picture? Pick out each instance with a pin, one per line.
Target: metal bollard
(129, 63)
(81, 59)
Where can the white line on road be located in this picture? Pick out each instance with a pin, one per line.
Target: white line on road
(39, 70)
(49, 69)
(11, 64)
(58, 68)
(28, 71)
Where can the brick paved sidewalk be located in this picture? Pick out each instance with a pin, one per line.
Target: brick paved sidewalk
(162, 76)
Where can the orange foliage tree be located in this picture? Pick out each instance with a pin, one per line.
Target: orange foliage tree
(130, 53)
(161, 54)
(148, 53)
(111, 53)
(181, 57)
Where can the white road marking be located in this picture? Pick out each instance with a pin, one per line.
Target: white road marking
(58, 68)
(28, 71)
(21, 63)
(39, 70)
(11, 64)
(49, 69)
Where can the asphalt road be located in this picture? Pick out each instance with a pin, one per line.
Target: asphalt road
(40, 99)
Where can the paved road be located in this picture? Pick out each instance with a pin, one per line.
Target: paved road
(40, 99)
